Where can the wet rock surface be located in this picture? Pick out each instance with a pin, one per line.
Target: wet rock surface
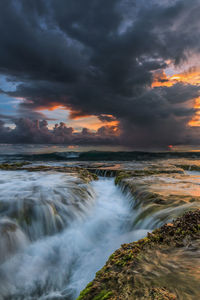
(167, 190)
(81, 173)
(164, 265)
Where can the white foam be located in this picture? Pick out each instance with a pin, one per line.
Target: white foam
(43, 203)
(66, 262)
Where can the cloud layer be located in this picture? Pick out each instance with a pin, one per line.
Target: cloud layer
(98, 58)
(29, 131)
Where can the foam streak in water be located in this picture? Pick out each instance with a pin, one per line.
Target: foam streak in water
(43, 203)
(58, 267)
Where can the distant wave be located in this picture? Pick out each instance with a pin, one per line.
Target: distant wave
(99, 156)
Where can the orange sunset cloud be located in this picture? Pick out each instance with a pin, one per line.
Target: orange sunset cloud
(191, 76)
(78, 120)
(91, 122)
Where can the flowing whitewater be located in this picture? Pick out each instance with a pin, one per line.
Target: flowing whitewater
(56, 232)
(59, 265)
(43, 203)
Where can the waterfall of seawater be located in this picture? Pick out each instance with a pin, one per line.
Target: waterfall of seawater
(43, 203)
(59, 266)
(62, 235)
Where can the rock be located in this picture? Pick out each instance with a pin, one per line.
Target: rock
(167, 194)
(160, 266)
(13, 166)
(81, 173)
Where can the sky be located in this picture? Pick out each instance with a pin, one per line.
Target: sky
(99, 73)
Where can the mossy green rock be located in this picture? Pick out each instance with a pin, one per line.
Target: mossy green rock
(82, 173)
(159, 192)
(123, 276)
(13, 166)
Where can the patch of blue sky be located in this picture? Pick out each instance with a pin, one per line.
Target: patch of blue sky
(8, 105)
(7, 85)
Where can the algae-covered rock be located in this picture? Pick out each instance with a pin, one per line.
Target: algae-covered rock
(13, 166)
(82, 173)
(164, 265)
(121, 171)
(151, 170)
(168, 195)
(161, 294)
(187, 164)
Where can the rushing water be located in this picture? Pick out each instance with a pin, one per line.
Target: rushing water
(56, 233)
(177, 269)
(43, 203)
(59, 266)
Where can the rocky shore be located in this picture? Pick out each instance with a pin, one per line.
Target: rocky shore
(81, 173)
(164, 265)
(123, 276)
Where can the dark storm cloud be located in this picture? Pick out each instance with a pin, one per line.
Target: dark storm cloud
(179, 93)
(97, 57)
(106, 118)
(29, 131)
